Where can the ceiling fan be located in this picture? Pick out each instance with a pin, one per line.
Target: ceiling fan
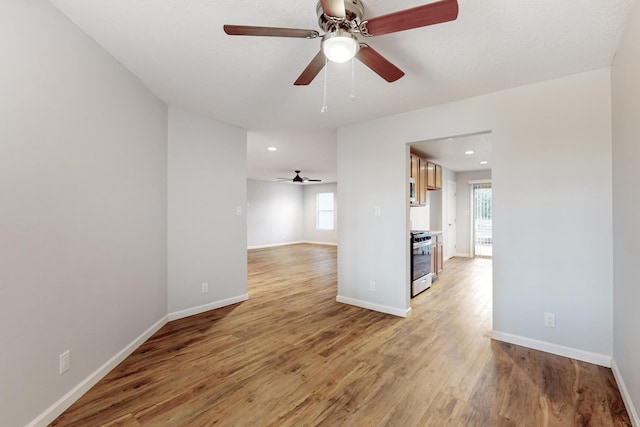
(298, 178)
(342, 21)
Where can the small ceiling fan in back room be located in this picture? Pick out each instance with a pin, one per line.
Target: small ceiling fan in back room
(299, 179)
(343, 24)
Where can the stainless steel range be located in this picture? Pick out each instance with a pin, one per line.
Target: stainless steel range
(420, 261)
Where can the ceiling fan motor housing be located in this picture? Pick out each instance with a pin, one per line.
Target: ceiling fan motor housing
(354, 12)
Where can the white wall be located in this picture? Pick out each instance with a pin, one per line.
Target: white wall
(551, 176)
(419, 216)
(463, 206)
(434, 199)
(626, 205)
(279, 213)
(309, 231)
(207, 240)
(82, 209)
(438, 203)
(274, 213)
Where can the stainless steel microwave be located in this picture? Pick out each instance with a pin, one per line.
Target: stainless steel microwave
(412, 191)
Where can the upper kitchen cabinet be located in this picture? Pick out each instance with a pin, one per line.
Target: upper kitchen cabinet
(418, 173)
(415, 167)
(431, 175)
(434, 176)
(422, 182)
(427, 176)
(438, 176)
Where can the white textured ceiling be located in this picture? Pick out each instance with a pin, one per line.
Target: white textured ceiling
(451, 153)
(179, 51)
(313, 153)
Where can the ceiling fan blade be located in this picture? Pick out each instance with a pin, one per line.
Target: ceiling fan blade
(312, 70)
(244, 30)
(334, 8)
(307, 179)
(378, 63)
(421, 16)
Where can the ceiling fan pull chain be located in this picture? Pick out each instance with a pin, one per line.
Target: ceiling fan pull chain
(353, 81)
(324, 92)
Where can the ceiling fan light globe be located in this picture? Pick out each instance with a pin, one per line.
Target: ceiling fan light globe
(339, 46)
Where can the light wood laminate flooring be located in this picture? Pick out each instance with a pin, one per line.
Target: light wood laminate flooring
(293, 356)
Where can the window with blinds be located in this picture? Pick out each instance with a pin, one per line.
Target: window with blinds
(482, 220)
(324, 211)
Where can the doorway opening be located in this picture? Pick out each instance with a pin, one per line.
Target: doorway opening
(464, 238)
(482, 219)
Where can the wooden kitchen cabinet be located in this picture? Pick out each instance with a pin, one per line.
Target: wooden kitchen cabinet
(431, 175)
(415, 167)
(422, 182)
(418, 173)
(437, 255)
(434, 176)
(427, 175)
(434, 276)
(440, 255)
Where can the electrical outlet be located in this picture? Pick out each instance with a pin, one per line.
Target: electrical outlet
(238, 210)
(205, 288)
(550, 320)
(372, 286)
(65, 362)
(376, 211)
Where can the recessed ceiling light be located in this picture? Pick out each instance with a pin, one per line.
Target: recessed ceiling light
(469, 152)
(272, 149)
(484, 162)
(449, 139)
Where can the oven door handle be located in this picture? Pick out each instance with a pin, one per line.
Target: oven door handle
(421, 245)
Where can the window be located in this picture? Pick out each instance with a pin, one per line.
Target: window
(324, 211)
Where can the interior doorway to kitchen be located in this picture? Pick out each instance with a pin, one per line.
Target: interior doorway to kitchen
(449, 211)
(482, 219)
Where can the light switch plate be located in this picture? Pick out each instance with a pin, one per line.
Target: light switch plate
(65, 362)
(550, 320)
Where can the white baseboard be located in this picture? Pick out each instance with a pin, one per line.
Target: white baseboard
(373, 306)
(626, 397)
(206, 307)
(274, 245)
(53, 411)
(560, 350)
(463, 255)
(311, 242)
(298, 242)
